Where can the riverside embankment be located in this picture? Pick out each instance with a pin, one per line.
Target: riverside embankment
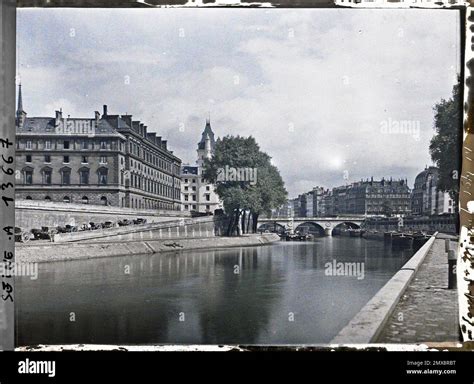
(46, 252)
(412, 305)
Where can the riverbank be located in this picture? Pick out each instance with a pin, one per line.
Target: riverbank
(367, 326)
(48, 252)
(428, 310)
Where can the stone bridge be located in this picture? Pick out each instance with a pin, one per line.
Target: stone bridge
(325, 225)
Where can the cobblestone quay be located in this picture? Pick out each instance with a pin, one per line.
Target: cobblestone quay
(428, 311)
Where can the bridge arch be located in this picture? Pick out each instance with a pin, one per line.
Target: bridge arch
(310, 227)
(271, 227)
(344, 225)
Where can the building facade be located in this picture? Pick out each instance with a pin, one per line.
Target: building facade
(427, 199)
(367, 197)
(371, 198)
(197, 195)
(105, 160)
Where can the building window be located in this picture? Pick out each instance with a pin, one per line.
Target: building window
(208, 207)
(103, 144)
(186, 197)
(84, 160)
(28, 198)
(194, 197)
(47, 159)
(208, 197)
(208, 187)
(47, 198)
(185, 180)
(103, 200)
(28, 144)
(194, 207)
(84, 144)
(28, 176)
(28, 158)
(66, 159)
(194, 189)
(85, 200)
(103, 160)
(186, 206)
(47, 144)
(102, 172)
(194, 180)
(66, 199)
(47, 176)
(66, 176)
(186, 188)
(84, 176)
(66, 144)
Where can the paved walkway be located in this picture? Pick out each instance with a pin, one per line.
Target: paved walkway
(428, 311)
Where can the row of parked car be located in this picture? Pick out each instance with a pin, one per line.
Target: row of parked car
(46, 233)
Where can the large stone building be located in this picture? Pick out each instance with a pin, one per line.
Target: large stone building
(367, 197)
(107, 160)
(370, 197)
(197, 195)
(427, 199)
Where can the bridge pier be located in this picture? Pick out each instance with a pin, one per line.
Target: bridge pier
(327, 231)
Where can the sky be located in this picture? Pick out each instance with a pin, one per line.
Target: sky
(322, 91)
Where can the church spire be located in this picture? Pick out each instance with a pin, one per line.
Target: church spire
(206, 144)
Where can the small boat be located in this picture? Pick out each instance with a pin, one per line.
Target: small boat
(419, 239)
(296, 237)
(345, 232)
(402, 240)
(387, 236)
(354, 232)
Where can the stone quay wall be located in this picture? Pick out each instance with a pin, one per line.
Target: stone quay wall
(31, 214)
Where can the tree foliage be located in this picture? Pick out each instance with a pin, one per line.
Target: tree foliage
(445, 146)
(243, 199)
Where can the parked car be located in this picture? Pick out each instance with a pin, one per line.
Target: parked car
(95, 226)
(124, 222)
(139, 221)
(108, 224)
(70, 228)
(22, 236)
(85, 227)
(45, 233)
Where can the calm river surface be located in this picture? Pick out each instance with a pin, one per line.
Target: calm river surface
(277, 294)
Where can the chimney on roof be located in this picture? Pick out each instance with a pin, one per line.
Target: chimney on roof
(105, 110)
(145, 131)
(158, 141)
(20, 113)
(128, 120)
(163, 145)
(97, 116)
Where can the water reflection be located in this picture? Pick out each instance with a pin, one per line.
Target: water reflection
(277, 294)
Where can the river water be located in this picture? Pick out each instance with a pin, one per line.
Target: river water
(285, 293)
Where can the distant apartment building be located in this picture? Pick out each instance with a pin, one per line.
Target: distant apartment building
(427, 199)
(197, 194)
(103, 160)
(368, 197)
